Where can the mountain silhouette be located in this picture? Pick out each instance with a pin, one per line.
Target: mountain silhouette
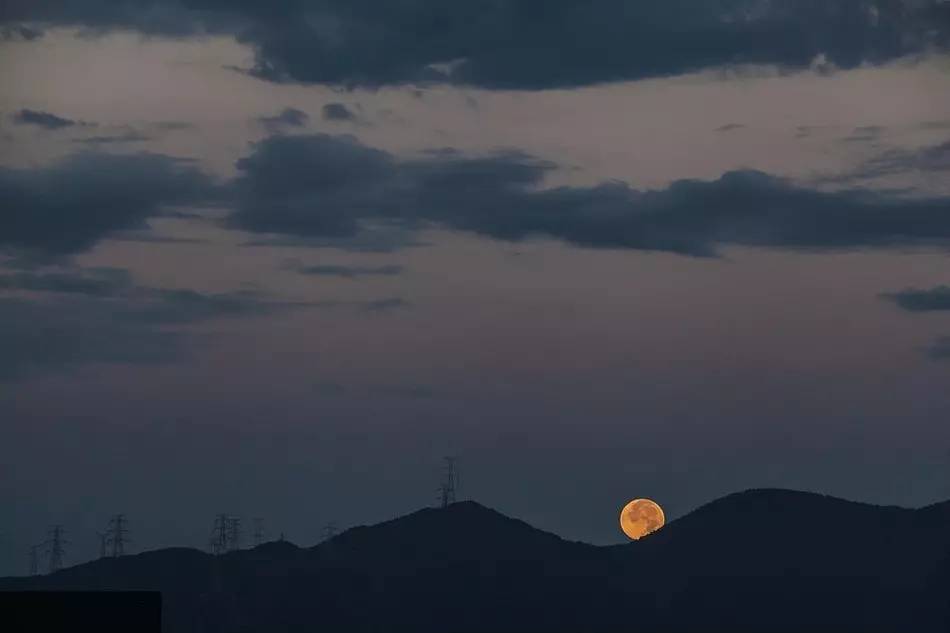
(761, 560)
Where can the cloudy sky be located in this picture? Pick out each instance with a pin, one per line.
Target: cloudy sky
(277, 259)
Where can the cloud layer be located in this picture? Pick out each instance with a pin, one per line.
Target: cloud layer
(916, 300)
(42, 119)
(66, 207)
(330, 186)
(62, 319)
(511, 44)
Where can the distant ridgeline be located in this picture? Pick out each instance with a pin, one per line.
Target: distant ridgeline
(762, 561)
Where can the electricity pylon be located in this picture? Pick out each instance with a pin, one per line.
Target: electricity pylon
(450, 482)
(258, 531)
(35, 560)
(117, 534)
(55, 548)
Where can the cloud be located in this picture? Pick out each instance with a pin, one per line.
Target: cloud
(940, 349)
(729, 127)
(74, 317)
(916, 300)
(337, 112)
(348, 272)
(385, 305)
(130, 136)
(864, 133)
(20, 32)
(931, 158)
(68, 206)
(288, 117)
(43, 119)
(96, 282)
(330, 186)
(173, 126)
(508, 44)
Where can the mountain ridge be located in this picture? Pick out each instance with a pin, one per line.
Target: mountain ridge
(733, 563)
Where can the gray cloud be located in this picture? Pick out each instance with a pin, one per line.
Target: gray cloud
(940, 349)
(348, 272)
(130, 136)
(917, 300)
(173, 126)
(288, 117)
(42, 119)
(20, 32)
(932, 158)
(95, 282)
(337, 112)
(508, 44)
(328, 186)
(67, 206)
(864, 133)
(73, 317)
(730, 127)
(385, 305)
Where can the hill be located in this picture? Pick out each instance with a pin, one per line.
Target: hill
(761, 560)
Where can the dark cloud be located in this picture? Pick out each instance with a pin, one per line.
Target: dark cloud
(288, 117)
(349, 272)
(328, 186)
(43, 119)
(61, 335)
(68, 206)
(96, 282)
(940, 349)
(337, 112)
(372, 238)
(933, 158)
(130, 136)
(864, 133)
(917, 300)
(385, 305)
(729, 127)
(73, 317)
(20, 32)
(172, 126)
(509, 44)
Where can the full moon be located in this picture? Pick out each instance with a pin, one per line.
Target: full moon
(641, 517)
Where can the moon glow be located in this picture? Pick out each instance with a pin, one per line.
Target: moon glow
(641, 517)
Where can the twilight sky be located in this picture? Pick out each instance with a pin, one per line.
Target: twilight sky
(277, 259)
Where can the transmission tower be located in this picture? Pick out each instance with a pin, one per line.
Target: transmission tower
(35, 559)
(450, 482)
(117, 534)
(219, 535)
(258, 531)
(225, 535)
(103, 543)
(234, 533)
(55, 548)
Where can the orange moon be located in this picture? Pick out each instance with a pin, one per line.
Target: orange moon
(641, 517)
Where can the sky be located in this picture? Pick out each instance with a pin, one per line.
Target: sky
(277, 259)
